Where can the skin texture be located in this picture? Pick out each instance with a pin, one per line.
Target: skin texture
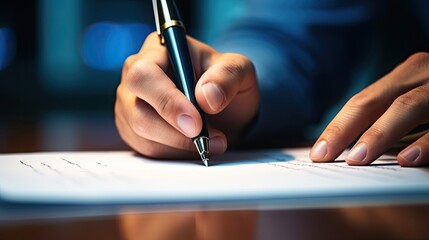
(383, 113)
(156, 119)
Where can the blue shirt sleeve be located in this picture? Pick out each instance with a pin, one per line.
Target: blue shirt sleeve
(304, 52)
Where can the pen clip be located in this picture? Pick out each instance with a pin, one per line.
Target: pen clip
(158, 27)
(166, 15)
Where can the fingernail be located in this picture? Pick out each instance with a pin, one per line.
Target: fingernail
(186, 124)
(358, 153)
(319, 151)
(217, 145)
(213, 95)
(411, 154)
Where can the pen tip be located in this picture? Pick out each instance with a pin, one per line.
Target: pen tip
(202, 144)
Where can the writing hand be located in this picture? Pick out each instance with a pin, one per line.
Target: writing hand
(384, 112)
(157, 120)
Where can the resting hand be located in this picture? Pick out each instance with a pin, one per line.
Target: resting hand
(384, 112)
(157, 120)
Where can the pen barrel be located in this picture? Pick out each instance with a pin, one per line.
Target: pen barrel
(181, 64)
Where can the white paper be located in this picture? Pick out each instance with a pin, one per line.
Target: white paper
(122, 177)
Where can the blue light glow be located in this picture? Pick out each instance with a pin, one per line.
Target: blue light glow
(7, 47)
(106, 45)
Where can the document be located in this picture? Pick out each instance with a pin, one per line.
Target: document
(126, 177)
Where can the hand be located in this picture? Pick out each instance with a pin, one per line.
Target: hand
(384, 112)
(157, 120)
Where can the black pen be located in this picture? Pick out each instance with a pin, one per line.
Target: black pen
(172, 34)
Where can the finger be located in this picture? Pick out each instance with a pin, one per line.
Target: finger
(149, 148)
(407, 111)
(158, 150)
(201, 54)
(146, 78)
(147, 124)
(417, 154)
(144, 122)
(148, 81)
(228, 76)
(356, 116)
(367, 106)
(229, 90)
(152, 49)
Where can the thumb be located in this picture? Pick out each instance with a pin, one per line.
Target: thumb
(229, 75)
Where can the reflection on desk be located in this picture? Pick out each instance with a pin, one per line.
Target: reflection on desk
(374, 222)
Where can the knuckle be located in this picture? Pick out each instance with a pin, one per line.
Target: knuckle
(418, 60)
(422, 94)
(375, 133)
(151, 42)
(136, 73)
(243, 60)
(362, 100)
(166, 102)
(247, 63)
(128, 63)
(408, 100)
(333, 130)
(416, 100)
(234, 67)
(153, 36)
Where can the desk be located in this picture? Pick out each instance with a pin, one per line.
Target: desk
(194, 221)
(134, 222)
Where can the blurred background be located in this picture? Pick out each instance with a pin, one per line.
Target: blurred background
(60, 64)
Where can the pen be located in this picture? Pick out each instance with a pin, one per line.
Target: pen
(172, 34)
